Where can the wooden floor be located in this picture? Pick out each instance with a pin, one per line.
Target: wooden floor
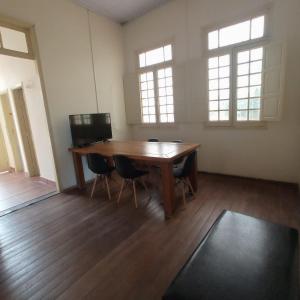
(16, 189)
(70, 247)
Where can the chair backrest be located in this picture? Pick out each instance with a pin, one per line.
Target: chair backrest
(153, 140)
(97, 163)
(188, 164)
(124, 166)
(178, 141)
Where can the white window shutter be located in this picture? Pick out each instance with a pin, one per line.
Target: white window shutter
(273, 81)
(196, 87)
(132, 98)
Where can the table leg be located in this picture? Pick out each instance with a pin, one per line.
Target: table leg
(193, 175)
(168, 188)
(78, 170)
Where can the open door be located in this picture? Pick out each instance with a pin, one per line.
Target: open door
(4, 163)
(25, 132)
(12, 143)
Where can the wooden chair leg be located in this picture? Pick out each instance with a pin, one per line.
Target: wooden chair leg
(107, 187)
(120, 194)
(94, 186)
(134, 192)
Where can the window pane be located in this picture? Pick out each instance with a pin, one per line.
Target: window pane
(154, 56)
(224, 83)
(14, 40)
(224, 94)
(213, 105)
(224, 105)
(254, 115)
(224, 72)
(213, 62)
(143, 77)
(224, 115)
(235, 34)
(256, 67)
(163, 100)
(224, 61)
(255, 91)
(213, 116)
(243, 57)
(171, 118)
(257, 27)
(243, 69)
(255, 79)
(169, 81)
(164, 118)
(242, 115)
(161, 82)
(152, 119)
(213, 73)
(213, 95)
(150, 93)
(257, 54)
(243, 81)
(213, 84)
(150, 76)
(254, 103)
(170, 100)
(142, 58)
(242, 104)
(168, 72)
(168, 52)
(242, 93)
(213, 40)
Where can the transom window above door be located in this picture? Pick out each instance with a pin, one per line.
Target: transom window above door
(15, 41)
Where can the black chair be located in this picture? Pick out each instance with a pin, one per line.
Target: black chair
(130, 174)
(153, 140)
(98, 165)
(181, 175)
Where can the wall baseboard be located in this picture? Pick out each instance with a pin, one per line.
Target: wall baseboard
(293, 184)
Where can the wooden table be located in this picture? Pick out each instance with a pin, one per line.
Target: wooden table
(160, 154)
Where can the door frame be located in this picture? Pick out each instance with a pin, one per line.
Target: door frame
(4, 161)
(11, 131)
(32, 36)
(25, 131)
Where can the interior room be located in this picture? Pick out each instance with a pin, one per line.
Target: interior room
(27, 166)
(149, 149)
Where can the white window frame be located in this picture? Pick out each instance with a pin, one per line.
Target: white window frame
(154, 68)
(232, 50)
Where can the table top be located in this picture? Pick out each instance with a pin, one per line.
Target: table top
(140, 150)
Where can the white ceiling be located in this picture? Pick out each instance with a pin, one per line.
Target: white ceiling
(121, 11)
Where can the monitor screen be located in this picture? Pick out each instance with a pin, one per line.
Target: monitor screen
(90, 128)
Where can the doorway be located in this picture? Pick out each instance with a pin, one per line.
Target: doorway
(27, 169)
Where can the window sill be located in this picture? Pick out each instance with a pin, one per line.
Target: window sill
(159, 125)
(237, 125)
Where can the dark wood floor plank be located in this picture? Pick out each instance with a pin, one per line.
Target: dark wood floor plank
(70, 247)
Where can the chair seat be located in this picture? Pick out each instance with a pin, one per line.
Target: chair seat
(177, 171)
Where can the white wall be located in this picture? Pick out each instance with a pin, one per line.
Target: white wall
(15, 72)
(64, 46)
(269, 153)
